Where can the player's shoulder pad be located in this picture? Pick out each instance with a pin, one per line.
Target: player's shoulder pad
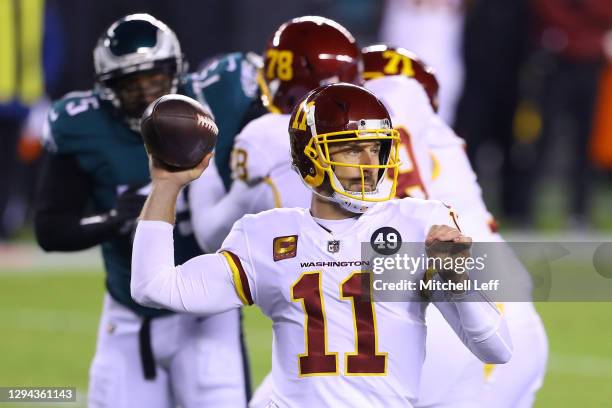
(262, 145)
(277, 221)
(69, 117)
(412, 207)
(413, 212)
(259, 230)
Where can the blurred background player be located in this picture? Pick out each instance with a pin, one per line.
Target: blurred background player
(572, 36)
(488, 115)
(342, 152)
(89, 196)
(301, 55)
(433, 30)
(228, 85)
(407, 86)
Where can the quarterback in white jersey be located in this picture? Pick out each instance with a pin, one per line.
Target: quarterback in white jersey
(448, 176)
(333, 345)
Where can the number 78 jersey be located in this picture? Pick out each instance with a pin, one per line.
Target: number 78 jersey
(331, 344)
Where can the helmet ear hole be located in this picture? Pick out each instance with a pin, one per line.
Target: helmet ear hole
(312, 154)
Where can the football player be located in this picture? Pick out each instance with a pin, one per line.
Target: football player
(342, 144)
(394, 75)
(302, 54)
(90, 196)
(228, 87)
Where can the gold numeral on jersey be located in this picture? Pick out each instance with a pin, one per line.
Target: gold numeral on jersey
(316, 360)
(280, 64)
(238, 164)
(366, 360)
(392, 67)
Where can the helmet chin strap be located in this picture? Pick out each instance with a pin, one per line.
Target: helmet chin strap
(353, 204)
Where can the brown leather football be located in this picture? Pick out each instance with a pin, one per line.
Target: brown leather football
(178, 132)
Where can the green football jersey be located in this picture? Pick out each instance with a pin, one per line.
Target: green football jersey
(229, 89)
(84, 125)
(113, 156)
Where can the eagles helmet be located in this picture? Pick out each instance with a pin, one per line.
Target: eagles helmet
(136, 44)
(343, 113)
(303, 54)
(381, 60)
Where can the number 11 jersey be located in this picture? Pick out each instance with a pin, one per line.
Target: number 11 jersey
(332, 343)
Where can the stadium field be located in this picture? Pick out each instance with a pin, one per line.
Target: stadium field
(49, 317)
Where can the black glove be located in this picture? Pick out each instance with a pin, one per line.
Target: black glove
(127, 209)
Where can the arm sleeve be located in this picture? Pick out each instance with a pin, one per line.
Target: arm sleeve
(479, 325)
(474, 319)
(203, 284)
(62, 197)
(213, 220)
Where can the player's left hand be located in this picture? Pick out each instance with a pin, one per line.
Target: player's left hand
(444, 242)
(444, 233)
(159, 175)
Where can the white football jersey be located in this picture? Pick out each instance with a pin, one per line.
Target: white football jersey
(263, 179)
(411, 120)
(261, 145)
(262, 153)
(329, 345)
(449, 177)
(442, 163)
(454, 181)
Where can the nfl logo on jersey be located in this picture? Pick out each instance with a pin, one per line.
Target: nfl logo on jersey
(333, 246)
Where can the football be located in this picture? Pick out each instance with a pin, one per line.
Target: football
(178, 132)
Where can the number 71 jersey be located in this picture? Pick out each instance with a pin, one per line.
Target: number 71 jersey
(332, 345)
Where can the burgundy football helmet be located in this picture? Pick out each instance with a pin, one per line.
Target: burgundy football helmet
(342, 113)
(381, 60)
(305, 53)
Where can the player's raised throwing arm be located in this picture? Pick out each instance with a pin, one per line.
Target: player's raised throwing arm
(203, 284)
